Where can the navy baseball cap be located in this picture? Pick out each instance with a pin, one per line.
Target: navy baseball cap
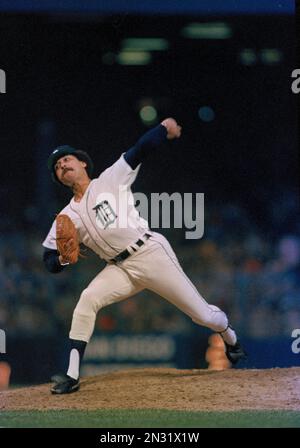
(65, 150)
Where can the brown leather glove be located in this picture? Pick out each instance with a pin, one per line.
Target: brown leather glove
(67, 240)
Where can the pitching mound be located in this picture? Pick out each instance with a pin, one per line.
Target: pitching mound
(190, 390)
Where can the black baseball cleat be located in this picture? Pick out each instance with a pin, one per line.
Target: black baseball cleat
(235, 353)
(64, 384)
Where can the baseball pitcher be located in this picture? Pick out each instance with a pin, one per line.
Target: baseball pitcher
(101, 215)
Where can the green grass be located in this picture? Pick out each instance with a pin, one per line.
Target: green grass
(149, 419)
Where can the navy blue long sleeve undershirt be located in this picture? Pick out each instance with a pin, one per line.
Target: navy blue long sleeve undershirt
(50, 258)
(147, 143)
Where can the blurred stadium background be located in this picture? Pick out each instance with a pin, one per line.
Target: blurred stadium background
(96, 77)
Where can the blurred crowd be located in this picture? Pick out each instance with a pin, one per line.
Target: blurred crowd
(251, 274)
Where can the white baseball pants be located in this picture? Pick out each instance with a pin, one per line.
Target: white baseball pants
(155, 267)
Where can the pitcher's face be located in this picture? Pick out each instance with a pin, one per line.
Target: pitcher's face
(69, 169)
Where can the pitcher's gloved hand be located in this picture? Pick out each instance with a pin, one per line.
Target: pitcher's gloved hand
(67, 239)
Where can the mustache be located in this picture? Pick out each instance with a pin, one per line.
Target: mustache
(65, 170)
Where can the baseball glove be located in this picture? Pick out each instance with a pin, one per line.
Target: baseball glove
(67, 239)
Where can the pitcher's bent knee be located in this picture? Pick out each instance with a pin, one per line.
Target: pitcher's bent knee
(82, 326)
(86, 303)
(84, 316)
(90, 302)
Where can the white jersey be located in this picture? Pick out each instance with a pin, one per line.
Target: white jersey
(106, 218)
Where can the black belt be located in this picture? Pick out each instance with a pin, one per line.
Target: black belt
(125, 254)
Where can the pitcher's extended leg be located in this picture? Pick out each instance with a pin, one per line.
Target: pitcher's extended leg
(167, 278)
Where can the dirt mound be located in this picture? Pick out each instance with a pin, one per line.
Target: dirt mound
(194, 390)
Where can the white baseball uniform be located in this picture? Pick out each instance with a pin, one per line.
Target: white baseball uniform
(100, 218)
